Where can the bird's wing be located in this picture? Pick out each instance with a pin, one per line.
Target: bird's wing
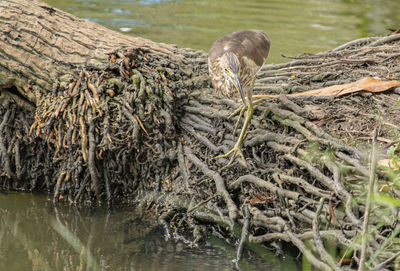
(253, 44)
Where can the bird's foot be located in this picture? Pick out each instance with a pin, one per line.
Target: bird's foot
(235, 152)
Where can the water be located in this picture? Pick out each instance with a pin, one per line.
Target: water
(36, 235)
(294, 26)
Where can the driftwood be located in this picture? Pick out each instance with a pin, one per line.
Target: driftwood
(93, 117)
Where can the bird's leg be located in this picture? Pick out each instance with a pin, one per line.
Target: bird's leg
(239, 118)
(236, 150)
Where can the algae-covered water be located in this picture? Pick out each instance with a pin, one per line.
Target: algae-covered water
(294, 26)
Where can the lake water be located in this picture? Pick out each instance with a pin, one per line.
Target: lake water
(294, 26)
(36, 235)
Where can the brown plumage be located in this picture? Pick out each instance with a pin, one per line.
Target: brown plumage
(233, 62)
(250, 47)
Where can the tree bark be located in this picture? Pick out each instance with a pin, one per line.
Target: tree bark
(92, 115)
(41, 44)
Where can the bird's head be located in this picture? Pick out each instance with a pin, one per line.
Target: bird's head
(230, 67)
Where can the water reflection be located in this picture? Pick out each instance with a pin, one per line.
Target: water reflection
(36, 236)
(294, 26)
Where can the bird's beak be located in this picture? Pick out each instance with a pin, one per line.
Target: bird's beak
(238, 86)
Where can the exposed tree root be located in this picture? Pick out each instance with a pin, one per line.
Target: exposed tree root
(145, 124)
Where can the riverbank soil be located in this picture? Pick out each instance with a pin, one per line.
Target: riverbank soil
(95, 117)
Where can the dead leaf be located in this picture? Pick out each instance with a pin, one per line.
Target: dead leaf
(384, 188)
(113, 58)
(366, 84)
(388, 163)
(332, 213)
(393, 30)
(258, 199)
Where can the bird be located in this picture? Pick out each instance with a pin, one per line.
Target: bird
(233, 62)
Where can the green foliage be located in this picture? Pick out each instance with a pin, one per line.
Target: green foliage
(388, 194)
(394, 153)
(386, 202)
(317, 155)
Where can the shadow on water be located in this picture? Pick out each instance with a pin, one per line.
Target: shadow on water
(34, 235)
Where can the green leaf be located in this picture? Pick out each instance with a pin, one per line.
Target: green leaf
(387, 200)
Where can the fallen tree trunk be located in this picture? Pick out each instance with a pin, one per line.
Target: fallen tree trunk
(92, 115)
(71, 76)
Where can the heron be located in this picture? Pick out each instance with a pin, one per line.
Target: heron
(233, 62)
